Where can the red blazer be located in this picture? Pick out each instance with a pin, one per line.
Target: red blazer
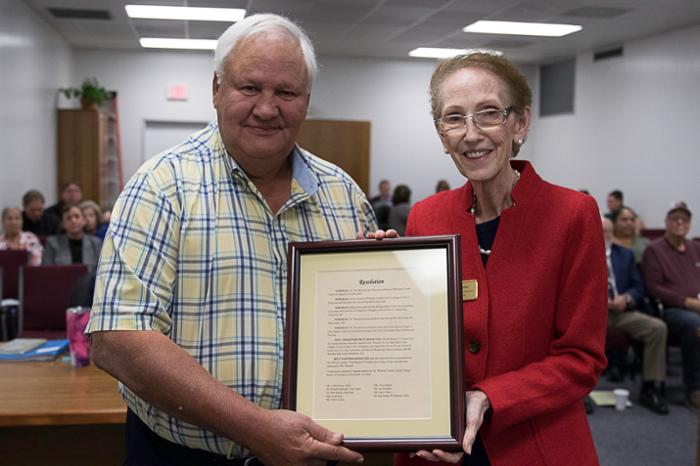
(539, 319)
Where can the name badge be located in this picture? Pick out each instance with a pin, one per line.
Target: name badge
(470, 290)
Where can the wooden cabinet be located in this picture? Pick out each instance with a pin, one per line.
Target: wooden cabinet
(87, 153)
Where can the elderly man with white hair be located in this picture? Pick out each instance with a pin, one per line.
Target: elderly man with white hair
(190, 295)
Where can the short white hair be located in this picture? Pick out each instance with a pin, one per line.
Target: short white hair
(260, 23)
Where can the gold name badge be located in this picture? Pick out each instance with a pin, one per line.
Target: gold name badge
(470, 290)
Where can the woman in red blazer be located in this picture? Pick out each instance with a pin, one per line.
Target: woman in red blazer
(534, 333)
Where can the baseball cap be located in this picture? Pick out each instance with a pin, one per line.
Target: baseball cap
(678, 205)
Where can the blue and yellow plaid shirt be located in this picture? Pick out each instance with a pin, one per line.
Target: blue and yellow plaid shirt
(193, 251)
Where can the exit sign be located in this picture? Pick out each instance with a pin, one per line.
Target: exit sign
(177, 92)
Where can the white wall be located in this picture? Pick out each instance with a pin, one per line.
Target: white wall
(34, 62)
(635, 127)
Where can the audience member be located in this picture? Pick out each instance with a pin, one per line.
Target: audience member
(398, 215)
(625, 232)
(190, 297)
(14, 238)
(671, 267)
(442, 185)
(74, 246)
(93, 219)
(615, 201)
(584, 191)
(34, 218)
(71, 194)
(384, 196)
(625, 298)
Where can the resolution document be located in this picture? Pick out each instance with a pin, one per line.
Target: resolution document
(372, 342)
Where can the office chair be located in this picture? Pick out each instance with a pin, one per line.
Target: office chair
(44, 297)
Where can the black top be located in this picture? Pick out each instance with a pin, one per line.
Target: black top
(486, 234)
(47, 225)
(76, 250)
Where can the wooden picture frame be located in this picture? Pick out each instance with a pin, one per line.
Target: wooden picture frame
(373, 344)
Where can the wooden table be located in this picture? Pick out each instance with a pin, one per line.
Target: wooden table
(52, 413)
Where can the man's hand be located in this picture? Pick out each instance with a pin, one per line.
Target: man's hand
(287, 438)
(477, 405)
(381, 234)
(617, 304)
(693, 304)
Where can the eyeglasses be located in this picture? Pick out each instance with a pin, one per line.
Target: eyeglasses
(483, 119)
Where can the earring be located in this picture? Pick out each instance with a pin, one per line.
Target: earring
(520, 142)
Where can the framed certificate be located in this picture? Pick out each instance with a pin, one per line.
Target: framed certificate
(374, 341)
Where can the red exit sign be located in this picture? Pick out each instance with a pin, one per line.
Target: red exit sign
(177, 92)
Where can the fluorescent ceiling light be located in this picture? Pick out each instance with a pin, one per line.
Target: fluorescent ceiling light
(191, 44)
(432, 52)
(185, 13)
(522, 29)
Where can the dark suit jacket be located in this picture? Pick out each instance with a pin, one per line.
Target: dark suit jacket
(627, 276)
(57, 251)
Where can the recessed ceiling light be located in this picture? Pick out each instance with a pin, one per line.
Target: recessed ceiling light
(432, 52)
(522, 29)
(230, 15)
(190, 44)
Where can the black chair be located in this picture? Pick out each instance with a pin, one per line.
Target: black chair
(10, 262)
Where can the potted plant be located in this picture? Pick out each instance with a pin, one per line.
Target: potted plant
(91, 93)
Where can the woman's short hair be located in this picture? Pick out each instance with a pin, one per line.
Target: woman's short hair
(402, 193)
(262, 23)
(518, 89)
(92, 205)
(67, 208)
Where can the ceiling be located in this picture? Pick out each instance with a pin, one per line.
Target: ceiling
(390, 28)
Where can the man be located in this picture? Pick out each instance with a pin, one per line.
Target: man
(615, 201)
(625, 295)
(71, 194)
(190, 296)
(34, 218)
(671, 267)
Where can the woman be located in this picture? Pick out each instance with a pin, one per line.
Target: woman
(93, 219)
(400, 206)
(534, 333)
(625, 231)
(14, 238)
(73, 246)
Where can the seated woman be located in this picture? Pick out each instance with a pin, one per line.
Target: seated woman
(73, 246)
(14, 238)
(626, 233)
(401, 206)
(93, 219)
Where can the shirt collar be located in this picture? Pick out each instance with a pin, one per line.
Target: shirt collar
(302, 175)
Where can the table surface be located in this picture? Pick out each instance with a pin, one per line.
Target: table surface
(55, 393)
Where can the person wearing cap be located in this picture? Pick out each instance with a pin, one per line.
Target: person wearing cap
(671, 268)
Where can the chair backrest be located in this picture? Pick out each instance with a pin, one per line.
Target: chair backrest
(382, 213)
(10, 262)
(44, 295)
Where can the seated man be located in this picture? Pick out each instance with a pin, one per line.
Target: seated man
(625, 295)
(671, 267)
(34, 218)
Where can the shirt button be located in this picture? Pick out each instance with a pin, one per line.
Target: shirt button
(474, 346)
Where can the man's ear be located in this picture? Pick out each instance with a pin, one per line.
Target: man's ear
(214, 88)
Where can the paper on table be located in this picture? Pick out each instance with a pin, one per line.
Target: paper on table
(21, 345)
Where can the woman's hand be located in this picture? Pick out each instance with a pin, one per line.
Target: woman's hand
(379, 234)
(477, 405)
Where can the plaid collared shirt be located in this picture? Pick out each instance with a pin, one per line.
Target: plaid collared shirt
(193, 251)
